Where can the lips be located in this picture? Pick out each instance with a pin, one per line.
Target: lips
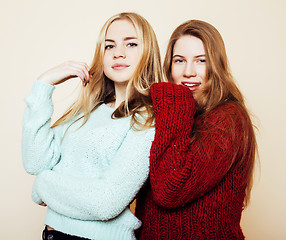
(119, 66)
(191, 85)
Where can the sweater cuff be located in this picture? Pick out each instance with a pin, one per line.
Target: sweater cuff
(41, 92)
(172, 96)
(36, 197)
(173, 104)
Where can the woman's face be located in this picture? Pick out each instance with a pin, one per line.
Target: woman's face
(121, 55)
(189, 63)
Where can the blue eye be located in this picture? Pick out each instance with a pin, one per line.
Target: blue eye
(132, 44)
(109, 47)
(178, 60)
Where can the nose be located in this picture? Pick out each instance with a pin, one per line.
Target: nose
(119, 52)
(189, 70)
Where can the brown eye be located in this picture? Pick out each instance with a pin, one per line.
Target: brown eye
(202, 60)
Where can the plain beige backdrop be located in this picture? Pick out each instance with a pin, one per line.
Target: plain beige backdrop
(39, 34)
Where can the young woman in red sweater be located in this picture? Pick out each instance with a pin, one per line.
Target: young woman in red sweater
(202, 157)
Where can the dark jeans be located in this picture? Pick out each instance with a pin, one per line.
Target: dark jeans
(56, 235)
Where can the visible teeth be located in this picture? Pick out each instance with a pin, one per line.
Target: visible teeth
(191, 84)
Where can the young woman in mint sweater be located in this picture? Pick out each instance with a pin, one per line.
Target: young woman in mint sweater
(202, 157)
(92, 162)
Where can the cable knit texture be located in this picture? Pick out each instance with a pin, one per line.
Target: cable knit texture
(89, 177)
(196, 191)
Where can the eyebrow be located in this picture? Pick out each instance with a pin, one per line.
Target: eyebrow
(201, 55)
(125, 39)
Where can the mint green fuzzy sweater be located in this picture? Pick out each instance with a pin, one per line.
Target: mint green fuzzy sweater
(88, 179)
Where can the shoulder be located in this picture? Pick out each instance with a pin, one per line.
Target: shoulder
(139, 134)
(226, 111)
(145, 133)
(225, 116)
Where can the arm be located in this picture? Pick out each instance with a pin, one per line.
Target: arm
(40, 143)
(104, 197)
(180, 172)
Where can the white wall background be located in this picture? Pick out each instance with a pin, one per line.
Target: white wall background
(38, 34)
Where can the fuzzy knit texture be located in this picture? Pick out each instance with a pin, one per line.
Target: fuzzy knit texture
(89, 177)
(195, 191)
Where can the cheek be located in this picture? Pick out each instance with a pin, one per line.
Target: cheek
(134, 56)
(104, 60)
(107, 60)
(136, 60)
(175, 72)
(203, 74)
(105, 65)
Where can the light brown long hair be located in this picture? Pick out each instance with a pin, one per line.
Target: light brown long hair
(219, 88)
(101, 89)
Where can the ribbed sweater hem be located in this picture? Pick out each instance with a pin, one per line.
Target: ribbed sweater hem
(95, 230)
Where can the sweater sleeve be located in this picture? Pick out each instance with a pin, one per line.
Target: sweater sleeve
(104, 197)
(181, 172)
(40, 143)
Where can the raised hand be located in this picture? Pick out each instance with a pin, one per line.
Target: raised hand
(66, 71)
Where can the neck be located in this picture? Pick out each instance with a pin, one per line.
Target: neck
(120, 91)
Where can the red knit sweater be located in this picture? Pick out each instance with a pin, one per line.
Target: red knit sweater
(195, 191)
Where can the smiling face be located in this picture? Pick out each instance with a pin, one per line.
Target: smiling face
(121, 55)
(189, 63)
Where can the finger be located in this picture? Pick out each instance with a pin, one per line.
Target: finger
(81, 66)
(77, 69)
(78, 72)
(85, 70)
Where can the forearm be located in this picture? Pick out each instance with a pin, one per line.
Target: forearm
(181, 172)
(100, 197)
(174, 108)
(174, 184)
(90, 199)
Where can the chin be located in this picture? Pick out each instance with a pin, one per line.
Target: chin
(121, 81)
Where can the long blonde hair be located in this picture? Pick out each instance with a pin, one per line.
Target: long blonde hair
(101, 89)
(219, 88)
